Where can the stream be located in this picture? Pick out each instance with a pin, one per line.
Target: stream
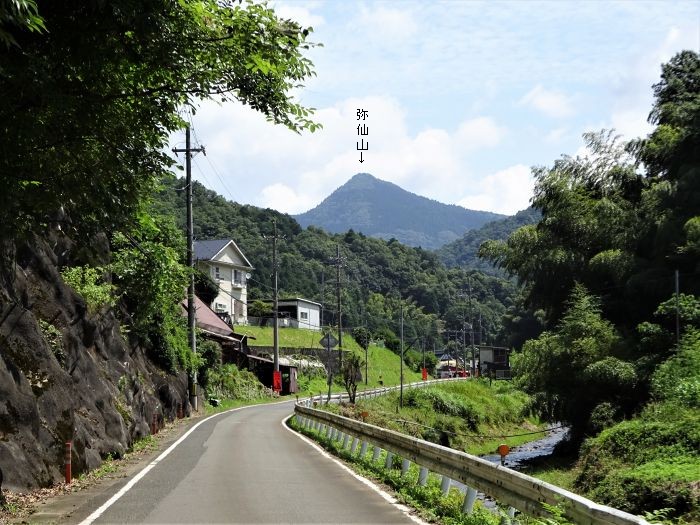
(520, 455)
(532, 449)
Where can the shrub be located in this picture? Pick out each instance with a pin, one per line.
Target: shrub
(647, 463)
(54, 339)
(678, 378)
(228, 382)
(87, 282)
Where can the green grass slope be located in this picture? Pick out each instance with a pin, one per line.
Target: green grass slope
(384, 365)
(475, 416)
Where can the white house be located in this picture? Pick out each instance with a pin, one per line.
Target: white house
(299, 313)
(225, 263)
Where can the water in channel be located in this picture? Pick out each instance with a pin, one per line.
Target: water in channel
(520, 455)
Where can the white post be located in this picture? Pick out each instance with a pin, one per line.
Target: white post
(363, 449)
(423, 476)
(375, 454)
(346, 438)
(389, 459)
(329, 431)
(469, 499)
(405, 464)
(445, 486)
(353, 448)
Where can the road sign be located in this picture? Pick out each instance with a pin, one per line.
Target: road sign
(328, 341)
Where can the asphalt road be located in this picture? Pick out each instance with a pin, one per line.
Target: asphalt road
(245, 467)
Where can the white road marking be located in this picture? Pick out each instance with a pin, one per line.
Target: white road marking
(126, 488)
(388, 497)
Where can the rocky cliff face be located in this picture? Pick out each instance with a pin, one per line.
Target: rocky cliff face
(67, 375)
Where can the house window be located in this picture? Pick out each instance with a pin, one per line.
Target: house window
(219, 307)
(500, 356)
(304, 316)
(237, 276)
(217, 273)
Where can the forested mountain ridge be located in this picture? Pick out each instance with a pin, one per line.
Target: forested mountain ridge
(381, 209)
(464, 252)
(372, 268)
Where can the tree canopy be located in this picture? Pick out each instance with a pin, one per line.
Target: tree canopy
(89, 102)
(621, 219)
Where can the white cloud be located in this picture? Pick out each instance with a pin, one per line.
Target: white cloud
(556, 135)
(270, 166)
(478, 133)
(388, 25)
(551, 103)
(279, 196)
(506, 191)
(633, 94)
(299, 13)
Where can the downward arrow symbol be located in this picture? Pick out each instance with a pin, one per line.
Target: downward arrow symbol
(361, 161)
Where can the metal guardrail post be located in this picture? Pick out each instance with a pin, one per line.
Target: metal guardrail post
(469, 499)
(423, 477)
(405, 464)
(445, 485)
(389, 459)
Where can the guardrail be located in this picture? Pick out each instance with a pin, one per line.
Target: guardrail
(510, 487)
(375, 392)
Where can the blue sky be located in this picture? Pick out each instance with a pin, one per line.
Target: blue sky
(463, 97)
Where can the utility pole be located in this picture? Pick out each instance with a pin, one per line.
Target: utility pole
(191, 319)
(471, 328)
(401, 373)
(338, 262)
(323, 293)
(340, 312)
(276, 329)
(678, 316)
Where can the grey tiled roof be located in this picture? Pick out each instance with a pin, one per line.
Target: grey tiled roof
(205, 250)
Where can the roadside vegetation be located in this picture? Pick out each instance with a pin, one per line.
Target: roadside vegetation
(471, 416)
(619, 227)
(428, 501)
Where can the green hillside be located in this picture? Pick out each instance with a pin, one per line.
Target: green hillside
(464, 252)
(377, 276)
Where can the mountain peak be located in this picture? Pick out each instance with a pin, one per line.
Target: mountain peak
(382, 209)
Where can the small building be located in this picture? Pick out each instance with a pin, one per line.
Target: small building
(225, 263)
(299, 313)
(212, 327)
(494, 361)
(263, 369)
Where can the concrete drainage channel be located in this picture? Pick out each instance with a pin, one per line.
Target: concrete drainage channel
(517, 491)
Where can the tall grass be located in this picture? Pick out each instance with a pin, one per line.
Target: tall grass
(466, 415)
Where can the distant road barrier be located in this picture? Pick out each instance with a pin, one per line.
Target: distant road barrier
(510, 487)
(376, 392)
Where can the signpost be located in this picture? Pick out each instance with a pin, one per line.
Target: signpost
(328, 342)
